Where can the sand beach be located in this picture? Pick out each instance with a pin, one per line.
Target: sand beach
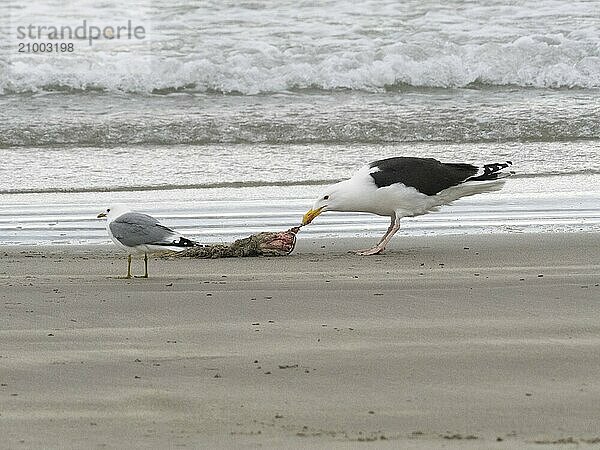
(479, 341)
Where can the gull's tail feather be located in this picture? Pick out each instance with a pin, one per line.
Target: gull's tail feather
(184, 242)
(489, 178)
(180, 243)
(492, 172)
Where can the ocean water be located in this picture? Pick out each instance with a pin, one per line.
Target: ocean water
(228, 118)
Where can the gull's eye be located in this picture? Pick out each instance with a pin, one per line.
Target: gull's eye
(108, 210)
(326, 197)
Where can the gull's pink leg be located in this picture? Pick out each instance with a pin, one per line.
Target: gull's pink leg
(384, 241)
(392, 223)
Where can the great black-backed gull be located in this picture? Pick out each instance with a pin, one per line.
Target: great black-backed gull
(406, 187)
(139, 233)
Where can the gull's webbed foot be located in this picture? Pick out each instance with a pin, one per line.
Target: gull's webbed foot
(371, 251)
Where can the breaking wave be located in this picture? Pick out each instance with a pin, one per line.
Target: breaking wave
(537, 61)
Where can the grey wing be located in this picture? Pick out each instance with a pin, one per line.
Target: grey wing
(133, 229)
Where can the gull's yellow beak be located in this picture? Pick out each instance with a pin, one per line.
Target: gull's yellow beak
(101, 215)
(310, 215)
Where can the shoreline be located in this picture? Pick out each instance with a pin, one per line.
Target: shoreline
(568, 203)
(468, 341)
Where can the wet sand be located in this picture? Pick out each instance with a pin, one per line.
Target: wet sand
(456, 342)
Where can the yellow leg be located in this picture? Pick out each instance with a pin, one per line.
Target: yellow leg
(128, 266)
(145, 265)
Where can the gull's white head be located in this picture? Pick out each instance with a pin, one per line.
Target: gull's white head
(336, 198)
(112, 212)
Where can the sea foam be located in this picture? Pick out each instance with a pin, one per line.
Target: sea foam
(532, 61)
(254, 48)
